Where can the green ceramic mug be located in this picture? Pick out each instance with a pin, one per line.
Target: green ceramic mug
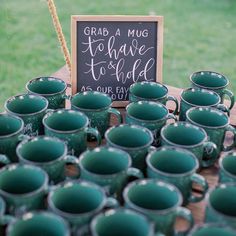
(38, 223)
(108, 167)
(192, 138)
(221, 205)
(212, 230)
(134, 139)
(72, 127)
(49, 153)
(227, 172)
(53, 89)
(160, 202)
(195, 97)
(152, 115)
(11, 133)
(121, 221)
(23, 187)
(31, 108)
(78, 201)
(97, 106)
(151, 91)
(213, 81)
(215, 123)
(178, 167)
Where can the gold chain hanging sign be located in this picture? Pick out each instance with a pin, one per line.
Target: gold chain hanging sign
(60, 35)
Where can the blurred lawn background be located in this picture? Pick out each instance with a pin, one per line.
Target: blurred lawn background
(198, 35)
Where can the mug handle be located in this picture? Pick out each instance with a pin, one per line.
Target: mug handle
(210, 150)
(69, 159)
(174, 99)
(186, 214)
(172, 116)
(117, 114)
(223, 108)
(134, 172)
(94, 132)
(199, 180)
(4, 159)
(6, 219)
(230, 147)
(230, 94)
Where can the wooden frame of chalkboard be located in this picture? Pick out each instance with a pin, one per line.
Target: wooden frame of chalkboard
(109, 53)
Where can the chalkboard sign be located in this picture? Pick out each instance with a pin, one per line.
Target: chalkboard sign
(109, 53)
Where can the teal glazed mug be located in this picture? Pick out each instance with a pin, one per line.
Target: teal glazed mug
(190, 137)
(11, 133)
(97, 106)
(213, 81)
(48, 153)
(160, 202)
(108, 167)
(72, 127)
(78, 201)
(221, 205)
(134, 139)
(151, 91)
(121, 221)
(215, 123)
(53, 89)
(38, 223)
(227, 164)
(195, 97)
(178, 167)
(31, 108)
(152, 115)
(212, 230)
(23, 187)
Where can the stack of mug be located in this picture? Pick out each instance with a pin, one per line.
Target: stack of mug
(134, 178)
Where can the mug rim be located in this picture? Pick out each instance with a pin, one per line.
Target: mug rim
(149, 82)
(232, 153)
(171, 187)
(40, 137)
(29, 194)
(146, 102)
(47, 115)
(185, 123)
(31, 214)
(90, 109)
(9, 100)
(16, 132)
(210, 109)
(71, 183)
(132, 126)
(199, 89)
(46, 78)
(112, 149)
(194, 158)
(207, 87)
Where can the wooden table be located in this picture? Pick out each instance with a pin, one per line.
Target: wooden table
(211, 174)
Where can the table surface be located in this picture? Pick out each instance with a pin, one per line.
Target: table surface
(211, 174)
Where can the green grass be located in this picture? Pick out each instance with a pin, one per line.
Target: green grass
(198, 35)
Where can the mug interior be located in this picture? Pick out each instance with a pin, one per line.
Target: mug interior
(121, 223)
(21, 180)
(105, 162)
(42, 150)
(152, 196)
(229, 164)
(172, 161)
(209, 79)
(89, 100)
(46, 86)
(27, 104)
(213, 231)
(210, 118)
(147, 90)
(147, 111)
(77, 199)
(183, 135)
(66, 121)
(9, 125)
(223, 200)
